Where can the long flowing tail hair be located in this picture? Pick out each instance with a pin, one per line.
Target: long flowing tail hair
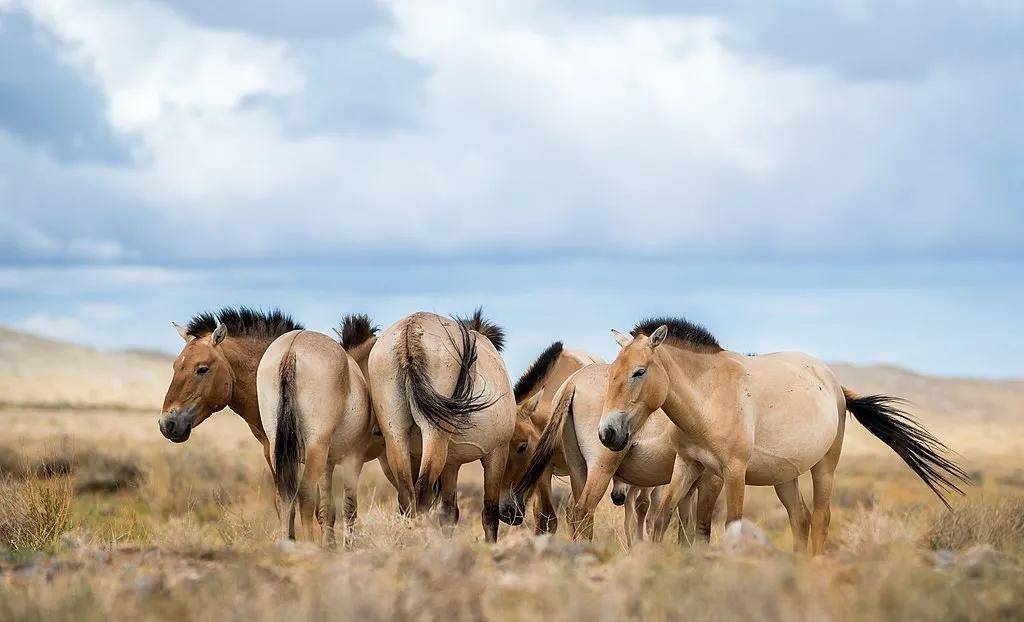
(287, 439)
(925, 454)
(453, 413)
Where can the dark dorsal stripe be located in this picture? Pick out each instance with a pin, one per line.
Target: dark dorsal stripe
(244, 322)
(494, 333)
(681, 331)
(355, 329)
(537, 371)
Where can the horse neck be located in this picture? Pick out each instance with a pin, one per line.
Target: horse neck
(691, 378)
(243, 356)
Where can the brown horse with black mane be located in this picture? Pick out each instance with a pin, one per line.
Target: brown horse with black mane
(533, 393)
(217, 368)
(758, 420)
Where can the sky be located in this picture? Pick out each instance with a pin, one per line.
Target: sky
(838, 177)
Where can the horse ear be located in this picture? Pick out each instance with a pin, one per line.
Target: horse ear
(528, 407)
(622, 339)
(183, 332)
(218, 334)
(658, 336)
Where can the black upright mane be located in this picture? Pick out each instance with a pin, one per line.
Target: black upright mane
(536, 372)
(355, 329)
(494, 333)
(681, 331)
(244, 322)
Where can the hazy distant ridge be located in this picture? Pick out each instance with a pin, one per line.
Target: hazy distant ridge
(35, 371)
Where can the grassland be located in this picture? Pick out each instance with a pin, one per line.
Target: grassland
(102, 519)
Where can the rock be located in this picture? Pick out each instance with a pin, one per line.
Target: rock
(944, 558)
(522, 546)
(295, 548)
(979, 559)
(744, 538)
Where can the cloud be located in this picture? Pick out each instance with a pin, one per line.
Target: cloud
(511, 129)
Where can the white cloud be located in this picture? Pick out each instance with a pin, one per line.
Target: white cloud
(536, 130)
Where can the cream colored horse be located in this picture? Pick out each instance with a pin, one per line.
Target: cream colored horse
(534, 404)
(445, 382)
(758, 420)
(217, 368)
(646, 462)
(315, 408)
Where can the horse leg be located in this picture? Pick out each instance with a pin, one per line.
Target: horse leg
(735, 475)
(823, 476)
(448, 517)
(351, 468)
(643, 507)
(595, 488)
(684, 510)
(629, 517)
(709, 486)
(799, 516)
(545, 517)
(325, 510)
(577, 481)
(316, 464)
(494, 472)
(432, 463)
(684, 474)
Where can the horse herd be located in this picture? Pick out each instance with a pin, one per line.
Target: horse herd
(675, 419)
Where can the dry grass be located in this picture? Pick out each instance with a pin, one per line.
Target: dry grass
(34, 512)
(190, 534)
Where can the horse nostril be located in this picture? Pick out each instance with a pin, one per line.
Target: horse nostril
(605, 435)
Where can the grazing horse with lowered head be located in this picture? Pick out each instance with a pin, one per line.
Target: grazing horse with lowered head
(646, 462)
(533, 410)
(758, 420)
(443, 380)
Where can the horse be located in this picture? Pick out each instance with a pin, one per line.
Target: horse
(647, 462)
(533, 409)
(443, 380)
(217, 368)
(756, 420)
(315, 408)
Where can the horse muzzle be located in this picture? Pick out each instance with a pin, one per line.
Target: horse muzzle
(510, 511)
(177, 425)
(613, 438)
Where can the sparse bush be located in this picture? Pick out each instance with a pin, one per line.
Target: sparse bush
(870, 531)
(34, 513)
(998, 522)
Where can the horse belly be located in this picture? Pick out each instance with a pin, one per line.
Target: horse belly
(647, 464)
(791, 438)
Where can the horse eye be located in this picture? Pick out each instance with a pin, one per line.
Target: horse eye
(202, 369)
(639, 373)
(522, 448)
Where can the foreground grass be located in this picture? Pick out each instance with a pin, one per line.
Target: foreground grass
(163, 532)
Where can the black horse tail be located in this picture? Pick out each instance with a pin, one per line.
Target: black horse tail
(925, 454)
(450, 414)
(550, 439)
(287, 440)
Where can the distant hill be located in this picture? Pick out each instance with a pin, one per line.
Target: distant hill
(35, 371)
(967, 399)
